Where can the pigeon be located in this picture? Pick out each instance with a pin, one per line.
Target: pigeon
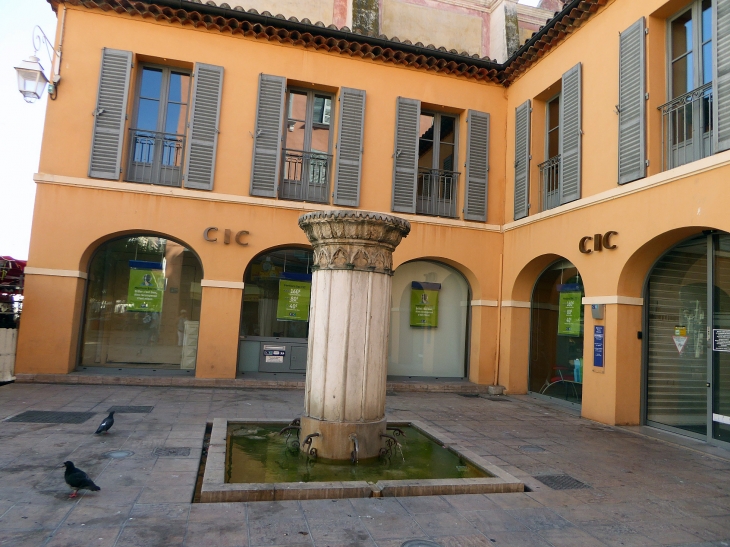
(78, 480)
(107, 424)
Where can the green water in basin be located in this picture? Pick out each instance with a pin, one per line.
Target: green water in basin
(256, 453)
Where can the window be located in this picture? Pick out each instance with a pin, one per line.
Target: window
(307, 146)
(550, 169)
(436, 186)
(687, 117)
(157, 135)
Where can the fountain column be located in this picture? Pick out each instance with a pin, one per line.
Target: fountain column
(347, 360)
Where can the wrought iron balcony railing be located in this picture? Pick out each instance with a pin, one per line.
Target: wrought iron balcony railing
(436, 192)
(305, 176)
(550, 183)
(687, 127)
(155, 157)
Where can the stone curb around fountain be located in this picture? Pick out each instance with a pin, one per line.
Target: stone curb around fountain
(215, 489)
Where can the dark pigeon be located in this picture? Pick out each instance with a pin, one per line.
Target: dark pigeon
(78, 480)
(107, 424)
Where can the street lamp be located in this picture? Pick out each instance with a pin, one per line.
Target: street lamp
(31, 75)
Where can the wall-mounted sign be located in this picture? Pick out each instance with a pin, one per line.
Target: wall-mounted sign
(146, 286)
(600, 242)
(293, 303)
(721, 340)
(680, 337)
(425, 304)
(570, 311)
(210, 234)
(274, 354)
(598, 345)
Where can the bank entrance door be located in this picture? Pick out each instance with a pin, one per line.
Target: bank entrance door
(687, 375)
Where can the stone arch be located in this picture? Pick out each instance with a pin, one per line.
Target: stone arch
(475, 289)
(524, 283)
(633, 276)
(269, 250)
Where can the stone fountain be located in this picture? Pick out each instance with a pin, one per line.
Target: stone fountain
(347, 361)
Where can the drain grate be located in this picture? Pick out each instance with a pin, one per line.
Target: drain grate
(118, 454)
(468, 394)
(131, 409)
(172, 452)
(532, 448)
(51, 417)
(561, 482)
(420, 543)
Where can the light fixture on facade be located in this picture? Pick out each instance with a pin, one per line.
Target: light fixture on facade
(31, 75)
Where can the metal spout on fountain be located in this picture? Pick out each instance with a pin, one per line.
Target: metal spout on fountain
(356, 448)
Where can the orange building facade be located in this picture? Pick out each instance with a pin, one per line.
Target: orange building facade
(568, 207)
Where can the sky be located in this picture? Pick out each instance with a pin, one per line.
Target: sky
(21, 124)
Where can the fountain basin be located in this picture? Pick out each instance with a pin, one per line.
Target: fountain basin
(254, 453)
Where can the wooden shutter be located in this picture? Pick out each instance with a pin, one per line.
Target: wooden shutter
(721, 75)
(405, 157)
(267, 136)
(570, 135)
(110, 114)
(632, 104)
(522, 159)
(477, 166)
(349, 147)
(203, 127)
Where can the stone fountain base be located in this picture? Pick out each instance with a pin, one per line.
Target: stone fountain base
(335, 442)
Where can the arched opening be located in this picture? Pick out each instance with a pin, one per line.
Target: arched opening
(428, 322)
(556, 333)
(687, 347)
(142, 306)
(275, 312)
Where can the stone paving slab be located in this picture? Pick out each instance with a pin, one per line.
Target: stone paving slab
(642, 490)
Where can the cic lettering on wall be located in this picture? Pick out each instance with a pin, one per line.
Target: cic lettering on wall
(209, 235)
(600, 242)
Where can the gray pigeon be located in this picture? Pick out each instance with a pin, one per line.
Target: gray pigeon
(107, 424)
(78, 480)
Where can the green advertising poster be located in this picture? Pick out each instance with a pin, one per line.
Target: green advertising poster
(425, 304)
(570, 311)
(146, 288)
(293, 304)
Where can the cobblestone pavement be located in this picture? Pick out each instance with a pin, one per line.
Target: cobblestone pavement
(641, 491)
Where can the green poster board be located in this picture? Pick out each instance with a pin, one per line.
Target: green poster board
(425, 304)
(146, 288)
(570, 311)
(293, 304)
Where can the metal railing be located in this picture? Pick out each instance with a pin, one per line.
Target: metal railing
(550, 183)
(305, 176)
(155, 157)
(436, 192)
(687, 127)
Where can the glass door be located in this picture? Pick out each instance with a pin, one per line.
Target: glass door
(719, 365)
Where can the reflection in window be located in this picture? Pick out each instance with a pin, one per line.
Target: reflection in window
(142, 305)
(436, 187)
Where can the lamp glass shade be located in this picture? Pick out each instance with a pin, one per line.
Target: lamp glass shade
(31, 80)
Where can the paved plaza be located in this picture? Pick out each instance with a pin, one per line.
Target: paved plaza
(641, 491)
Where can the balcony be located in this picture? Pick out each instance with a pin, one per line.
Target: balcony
(687, 127)
(305, 176)
(436, 192)
(155, 157)
(550, 183)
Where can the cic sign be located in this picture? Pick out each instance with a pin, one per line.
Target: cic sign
(210, 234)
(600, 242)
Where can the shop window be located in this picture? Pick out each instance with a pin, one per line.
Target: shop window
(275, 312)
(687, 117)
(428, 324)
(142, 305)
(307, 146)
(556, 334)
(157, 135)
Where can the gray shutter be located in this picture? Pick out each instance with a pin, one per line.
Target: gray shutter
(721, 75)
(405, 157)
(632, 104)
(267, 136)
(522, 159)
(203, 128)
(349, 147)
(477, 166)
(570, 135)
(110, 114)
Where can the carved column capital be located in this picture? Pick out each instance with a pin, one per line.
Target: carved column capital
(354, 240)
